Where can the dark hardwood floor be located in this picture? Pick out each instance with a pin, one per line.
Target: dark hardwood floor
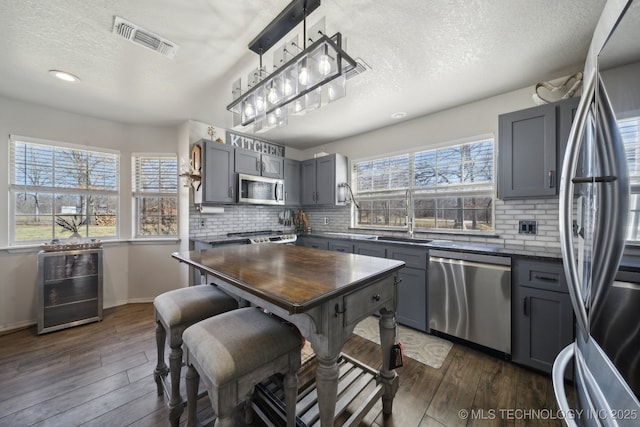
(100, 374)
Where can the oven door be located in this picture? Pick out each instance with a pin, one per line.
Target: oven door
(260, 190)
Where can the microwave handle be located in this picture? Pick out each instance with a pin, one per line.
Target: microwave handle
(275, 191)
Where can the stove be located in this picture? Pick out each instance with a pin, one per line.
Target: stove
(266, 236)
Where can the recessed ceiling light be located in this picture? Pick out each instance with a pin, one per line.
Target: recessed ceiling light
(63, 75)
(398, 115)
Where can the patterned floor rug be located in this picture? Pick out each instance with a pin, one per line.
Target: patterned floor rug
(419, 346)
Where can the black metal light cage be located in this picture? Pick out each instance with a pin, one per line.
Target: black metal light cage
(291, 16)
(334, 44)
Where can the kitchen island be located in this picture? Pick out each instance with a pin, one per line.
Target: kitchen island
(325, 294)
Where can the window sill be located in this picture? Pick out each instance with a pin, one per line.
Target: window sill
(425, 233)
(31, 248)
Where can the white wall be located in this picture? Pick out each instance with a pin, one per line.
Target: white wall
(133, 272)
(477, 118)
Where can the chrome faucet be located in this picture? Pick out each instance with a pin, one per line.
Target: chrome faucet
(409, 217)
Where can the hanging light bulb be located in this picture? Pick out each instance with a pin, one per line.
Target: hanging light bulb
(288, 87)
(297, 106)
(324, 65)
(303, 76)
(261, 105)
(271, 119)
(273, 96)
(249, 111)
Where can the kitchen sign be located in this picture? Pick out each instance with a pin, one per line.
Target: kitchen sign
(254, 144)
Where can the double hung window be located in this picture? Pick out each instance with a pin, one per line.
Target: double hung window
(57, 189)
(448, 188)
(630, 131)
(155, 194)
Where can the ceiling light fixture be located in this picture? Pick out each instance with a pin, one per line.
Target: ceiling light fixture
(299, 82)
(398, 115)
(63, 75)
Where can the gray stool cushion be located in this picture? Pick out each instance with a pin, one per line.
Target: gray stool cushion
(234, 343)
(186, 306)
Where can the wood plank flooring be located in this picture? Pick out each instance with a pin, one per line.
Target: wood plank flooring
(101, 374)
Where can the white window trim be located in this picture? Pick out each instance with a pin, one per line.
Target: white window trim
(13, 188)
(417, 190)
(137, 237)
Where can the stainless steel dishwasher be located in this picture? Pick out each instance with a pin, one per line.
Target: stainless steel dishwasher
(470, 297)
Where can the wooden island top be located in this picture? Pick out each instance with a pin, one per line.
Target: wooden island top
(294, 278)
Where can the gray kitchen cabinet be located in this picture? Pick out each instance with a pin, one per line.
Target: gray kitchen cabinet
(292, 182)
(218, 182)
(527, 153)
(341, 246)
(320, 178)
(531, 148)
(370, 249)
(255, 163)
(411, 309)
(542, 313)
(313, 242)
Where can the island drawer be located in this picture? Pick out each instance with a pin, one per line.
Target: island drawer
(362, 303)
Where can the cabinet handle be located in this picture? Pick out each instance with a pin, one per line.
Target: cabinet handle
(376, 298)
(340, 249)
(551, 179)
(526, 306)
(545, 278)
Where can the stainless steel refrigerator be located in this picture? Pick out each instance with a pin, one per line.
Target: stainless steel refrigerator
(598, 171)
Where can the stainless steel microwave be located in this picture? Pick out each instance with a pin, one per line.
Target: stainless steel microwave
(260, 190)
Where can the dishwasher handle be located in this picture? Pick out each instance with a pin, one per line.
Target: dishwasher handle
(470, 263)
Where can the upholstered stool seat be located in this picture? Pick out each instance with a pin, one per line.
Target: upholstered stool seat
(232, 353)
(175, 311)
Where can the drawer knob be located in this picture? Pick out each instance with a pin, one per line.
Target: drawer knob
(376, 297)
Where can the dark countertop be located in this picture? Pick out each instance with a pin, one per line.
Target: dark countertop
(630, 261)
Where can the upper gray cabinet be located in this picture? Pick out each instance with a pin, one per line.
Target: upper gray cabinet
(320, 178)
(255, 163)
(292, 182)
(218, 177)
(530, 149)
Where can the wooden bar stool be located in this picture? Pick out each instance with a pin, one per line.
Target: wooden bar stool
(232, 353)
(175, 311)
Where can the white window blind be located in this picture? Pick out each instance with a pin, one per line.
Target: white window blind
(452, 188)
(155, 193)
(53, 183)
(630, 131)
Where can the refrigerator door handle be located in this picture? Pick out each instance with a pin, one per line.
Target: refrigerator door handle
(569, 166)
(557, 375)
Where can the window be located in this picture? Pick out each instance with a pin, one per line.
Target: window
(452, 188)
(58, 188)
(155, 193)
(630, 131)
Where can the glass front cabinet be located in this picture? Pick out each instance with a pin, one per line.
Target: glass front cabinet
(69, 288)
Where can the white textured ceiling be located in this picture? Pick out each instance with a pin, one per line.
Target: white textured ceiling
(425, 56)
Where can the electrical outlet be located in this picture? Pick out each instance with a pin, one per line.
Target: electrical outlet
(202, 223)
(326, 220)
(527, 227)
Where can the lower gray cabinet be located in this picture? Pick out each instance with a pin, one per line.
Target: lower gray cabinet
(371, 249)
(411, 307)
(542, 313)
(341, 246)
(312, 242)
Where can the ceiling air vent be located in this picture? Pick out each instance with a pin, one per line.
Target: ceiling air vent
(360, 68)
(144, 38)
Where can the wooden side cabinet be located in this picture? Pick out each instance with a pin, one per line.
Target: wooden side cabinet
(69, 289)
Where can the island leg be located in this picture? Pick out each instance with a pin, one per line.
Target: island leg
(327, 385)
(388, 377)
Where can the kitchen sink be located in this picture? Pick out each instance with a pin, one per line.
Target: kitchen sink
(352, 235)
(402, 239)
